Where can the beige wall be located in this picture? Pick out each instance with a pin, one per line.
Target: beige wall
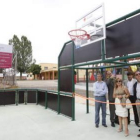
(50, 66)
(48, 71)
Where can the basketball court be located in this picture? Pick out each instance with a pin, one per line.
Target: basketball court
(33, 122)
(94, 45)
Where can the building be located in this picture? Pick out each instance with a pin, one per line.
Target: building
(49, 71)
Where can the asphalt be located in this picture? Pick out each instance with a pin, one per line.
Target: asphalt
(49, 84)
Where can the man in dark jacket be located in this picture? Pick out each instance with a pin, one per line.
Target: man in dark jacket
(110, 84)
(137, 94)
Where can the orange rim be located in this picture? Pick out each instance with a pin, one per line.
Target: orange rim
(83, 35)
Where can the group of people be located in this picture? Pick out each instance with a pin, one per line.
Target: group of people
(118, 92)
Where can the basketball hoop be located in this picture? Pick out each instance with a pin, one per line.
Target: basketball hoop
(78, 35)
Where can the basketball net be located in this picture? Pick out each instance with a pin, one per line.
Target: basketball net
(77, 42)
(78, 35)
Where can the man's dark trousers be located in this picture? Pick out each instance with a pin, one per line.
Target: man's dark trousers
(136, 119)
(112, 111)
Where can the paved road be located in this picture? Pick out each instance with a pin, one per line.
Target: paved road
(80, 88)
(49, 83)
(52, 85)
(43, 84)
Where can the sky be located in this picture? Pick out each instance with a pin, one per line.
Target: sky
(46, 22)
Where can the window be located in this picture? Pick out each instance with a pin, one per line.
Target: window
(45, 68)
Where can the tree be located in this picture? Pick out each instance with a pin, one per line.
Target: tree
(23, 48)
(35, 69)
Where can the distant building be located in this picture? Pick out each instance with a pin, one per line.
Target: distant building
(49, 71)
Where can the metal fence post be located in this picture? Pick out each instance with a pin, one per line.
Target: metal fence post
(16, 97)
(46, 100)
(36, 97)
(73, 85)
(25, 97)
(87, 93)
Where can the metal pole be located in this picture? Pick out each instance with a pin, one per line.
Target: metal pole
(87, 93)
(103, 49)
(46, 100)
(26, 96)
(73, 85)
(73, 98)
(58, 105)
(36, 97)
(16, 93)
(15, 69)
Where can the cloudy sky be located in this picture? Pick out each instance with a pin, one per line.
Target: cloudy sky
(46, 22)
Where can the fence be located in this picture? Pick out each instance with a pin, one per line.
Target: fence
(62, 103)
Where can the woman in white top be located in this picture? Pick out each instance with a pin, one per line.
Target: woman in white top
(120, 94)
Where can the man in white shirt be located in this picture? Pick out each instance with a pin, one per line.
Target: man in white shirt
(100, 91)
(129, 84)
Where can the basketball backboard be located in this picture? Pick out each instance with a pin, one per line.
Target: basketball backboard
(94, 24)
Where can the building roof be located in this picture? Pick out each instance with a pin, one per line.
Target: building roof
(49, 70)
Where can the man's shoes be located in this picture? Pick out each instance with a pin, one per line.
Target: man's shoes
(104, 125)
(113, 124)
(138, 135)
(96, 125)
(116, 122)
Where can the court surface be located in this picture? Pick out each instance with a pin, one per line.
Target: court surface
(33, 122)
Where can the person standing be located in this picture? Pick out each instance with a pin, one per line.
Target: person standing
(120, 94)
(129, 84)
(137, 95)
(100, 91)
(110, 84)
